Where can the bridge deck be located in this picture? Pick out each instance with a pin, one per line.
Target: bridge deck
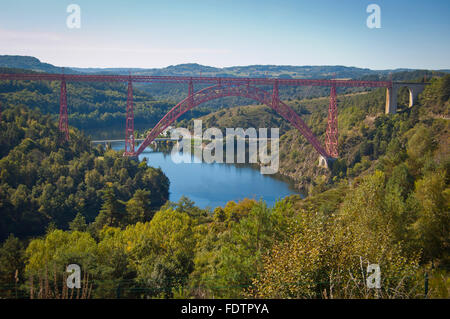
(193, 79)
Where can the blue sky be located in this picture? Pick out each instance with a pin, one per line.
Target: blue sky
(132, 33)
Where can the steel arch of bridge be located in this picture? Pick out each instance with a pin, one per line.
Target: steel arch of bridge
(227, 89)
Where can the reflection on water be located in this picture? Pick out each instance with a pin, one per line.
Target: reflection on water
(212, 185)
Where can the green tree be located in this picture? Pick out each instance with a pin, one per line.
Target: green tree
(57, 250)
(11, 266)
(78, 223)
(167, 255)
(433, 223)
(139, 207)
(112, 208)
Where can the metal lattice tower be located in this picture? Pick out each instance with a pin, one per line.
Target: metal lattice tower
(331, 138)
(129, 130)
(63, 118)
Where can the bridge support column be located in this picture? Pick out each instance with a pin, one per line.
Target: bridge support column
(391, 100)
(129, 130)
(331, 136)
(323, 162)
(275, 95)
(63, 117)
(414, 92)
(326, 162)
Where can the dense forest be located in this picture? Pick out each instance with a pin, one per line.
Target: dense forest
(385, 201)
(46, 180)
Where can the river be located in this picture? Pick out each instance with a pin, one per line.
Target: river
(212, 185)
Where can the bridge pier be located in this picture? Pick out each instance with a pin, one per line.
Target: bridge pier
(391, 95)
(414, 92)
(326, 162)
(391, 101)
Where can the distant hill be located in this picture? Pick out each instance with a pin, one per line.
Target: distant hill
(28, 63)
(283, 71)
(194, 69)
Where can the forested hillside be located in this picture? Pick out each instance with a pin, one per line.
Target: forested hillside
(46, 181)
(90, 105)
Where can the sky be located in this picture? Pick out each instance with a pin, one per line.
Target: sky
(148, 34)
